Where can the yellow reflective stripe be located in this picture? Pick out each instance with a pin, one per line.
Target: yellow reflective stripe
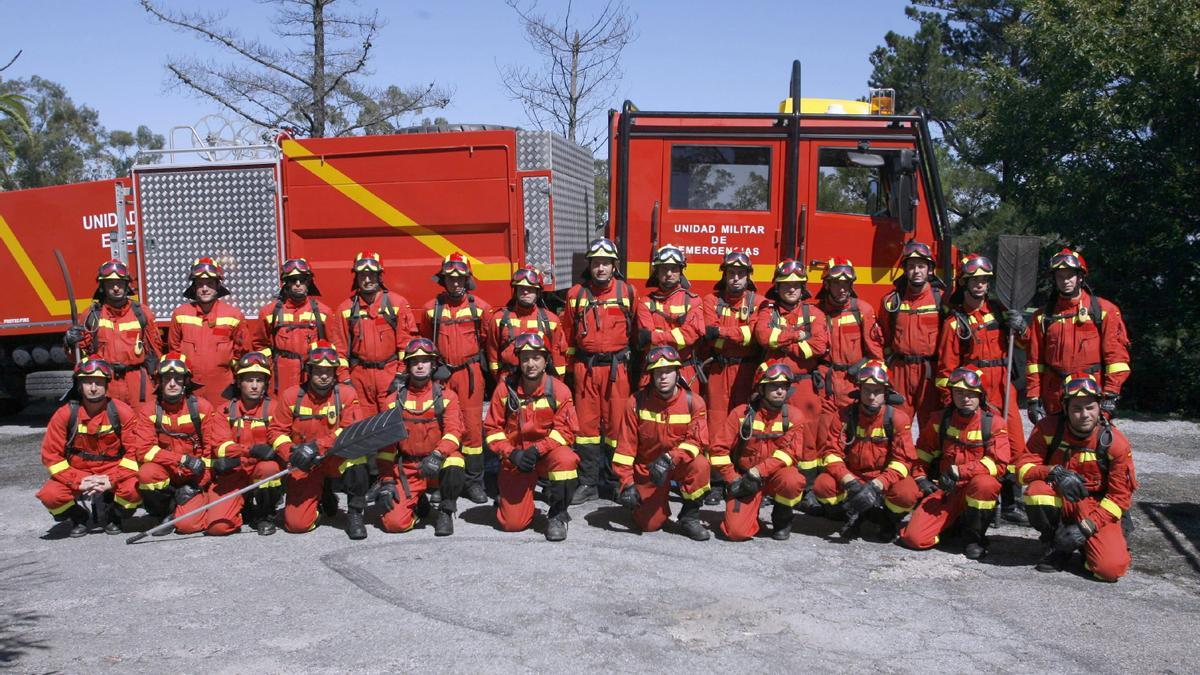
(1043, 500)
(779, 499)
(941, 382)
(807, 464)
(563, 475)
(878, 432)
(129, 325)
(472, 450)
(125, 503)
(283, 438)
(1086, 457)
(1111, 506)
(746, 336)
(128, 464)
(106, 323)
(386, 456)
(610, 442)
(152, 454)
(680, 341)
(981, 504)
(990, 464)
(899, 468)
(831, 458)
(223, 447)
(694, 495)
(1114, 368)
(344, 466)
(270, 484)
(1033, 368)
(895, 508)
(845, 319)
(720, 460)
(154, 486)
(783, 457)
(1024, 470)
(926, 457)
(228, 321)
(773, 339)
(189, 320)
(557, 437)
(560, 370)
(452, 438)
(689, 448)
(59, 467)
(587, 440)
(454, 461)
(624, 460)
(836, 499)
(338, 432)
(806, 349)
(207, 461)
(662, 418)
(493, 437)
(60, 509)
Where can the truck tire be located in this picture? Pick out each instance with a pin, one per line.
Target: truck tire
(47, 384)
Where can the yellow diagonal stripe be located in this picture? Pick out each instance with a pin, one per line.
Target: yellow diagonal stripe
(54, 306)
(389, 214)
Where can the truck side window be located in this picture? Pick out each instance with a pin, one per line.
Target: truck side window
(721, 177)
(845, 187)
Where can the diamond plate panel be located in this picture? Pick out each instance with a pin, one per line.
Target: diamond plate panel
(573, 190)
(229, 214)
(533, 150)
(537, 223)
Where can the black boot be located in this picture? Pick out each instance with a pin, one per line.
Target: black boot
(588, 471)
(560, 493)
(473, 489)
(355, 527)
(810, 505)
(475, 493)
(443, 525)
(328, 506)
(356, 481)
(689, 521)
(78, 517)
(112, 520)
(975, 524)
(1054, 561)
(889, 525)
(781, 522)
(556, 527)
(585, 493)
(717, 494)
(264, 501)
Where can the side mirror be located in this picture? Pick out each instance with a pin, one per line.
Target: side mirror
(868, 160)
(906, 201)
(873, 201)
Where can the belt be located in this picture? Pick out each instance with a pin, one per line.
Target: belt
(1062, 373)
(457, 367)
(729, 360)
(840, 367)
(119, 369)
(910, 358)
(93, 457)
(376, 365)
(286, 354)
(611, 358)
(987, 363)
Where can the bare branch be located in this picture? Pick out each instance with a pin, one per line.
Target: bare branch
(189, 82)
(12, 60)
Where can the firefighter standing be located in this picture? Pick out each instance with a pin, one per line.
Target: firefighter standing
(374, 325)
(524, 313)
(671, 314)
(293, 321)
(663, 433)
(454, 321)
(249, 417)
(868, 454)
(965, 450)
(89, 449)
(530, 425)
(305, 422)
(429, 456)
(909, 321)
(598, 325)
(1075, 332)
(853, 333)
(120, 331)
(1080, 481)
(210, 332)
(755, 451)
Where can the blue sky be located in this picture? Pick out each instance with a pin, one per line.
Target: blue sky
(699, 55)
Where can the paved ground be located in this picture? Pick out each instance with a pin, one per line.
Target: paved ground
(606, 600)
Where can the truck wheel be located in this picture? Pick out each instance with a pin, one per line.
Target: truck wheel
(47, 384)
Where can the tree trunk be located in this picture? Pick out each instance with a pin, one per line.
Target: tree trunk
(318, 77)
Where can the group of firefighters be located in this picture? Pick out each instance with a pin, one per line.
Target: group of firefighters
(727, 398)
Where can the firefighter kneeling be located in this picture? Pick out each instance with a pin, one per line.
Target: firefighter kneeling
(249, 415)
(868, 454)
(1079, 481)
(661, 436)
(755, 451)
(530, 425)
(429, 458)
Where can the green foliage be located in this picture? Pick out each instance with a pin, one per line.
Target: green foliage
(600, 181)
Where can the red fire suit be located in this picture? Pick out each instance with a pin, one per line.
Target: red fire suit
(375, 333)
(249, 425)
(300, 416)
(1108, 476)
(598, 324)
(909, 321)
(775, 444)
(868, 451)
(118, 336)
(428, 430)
(285, 329)
(650, 427)
(212, 342)
(981, 463)
(179, 434)
(799, 337)
(95, 449)
(507, 322)
(674, 318)
(456, 327)
(853, 335)
(985, 349)
(734, 354)
(542, 419)
(1068, 341)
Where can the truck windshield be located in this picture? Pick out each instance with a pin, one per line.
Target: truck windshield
(721, 177)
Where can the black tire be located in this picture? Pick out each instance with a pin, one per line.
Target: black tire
(47, 384)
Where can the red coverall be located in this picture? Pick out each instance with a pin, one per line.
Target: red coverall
(734, 353)
(535, 423)
(1110, 491)
(597, 324)
(979, 470)
(287, 341)
(299, 416)
(426, 433)
(506, 323)
(249, 427)
(120, 340)
(375, 348)
(212, 343)
(674, 318)
(677, 426)
(773, 448)
(1068, 342)
(459, 338)
(909, 321)
(853, 335)
(798, 337)
(871, 455)
(986, 350)
(176, 436)
(95, 450)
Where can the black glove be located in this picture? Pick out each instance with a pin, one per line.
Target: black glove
(225, 464)
(1067, 483)
(744, 486)
(643, 336)
(431, 464)
(660, 469)
(865, 499)
(1072, 537)
(926, 486)
(852, 488)
(630, 498)
(1015, 319)
(192, 464)
(1108, 404)
(949, 478)
(525, 459)
(262, 451)
(74, 336)
(386, 495)
(305, 456)
(1037, 411)
(712, 333)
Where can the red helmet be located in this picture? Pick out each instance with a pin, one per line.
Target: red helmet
(790, 270)
(322, 353)
(1068, 259)
(966, 377)
(113, 269)
(93, 366)
(918, 250)
(975, 265)
(1081, 384)
(663, 356)
(253, 362)
(529, 277)
(776, 371)
(455, 265)
(420, 346)
(205, 268)
(530, 342)
(295, 267)
(873, 371)
(839, 269)
(367, 261)
(173, 362)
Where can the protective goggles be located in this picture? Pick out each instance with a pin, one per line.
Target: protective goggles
(669, 255)
(602, 248)
(527, 276)
(93, 366)
(253, 362)
(966, 378)
(420, 347)
(872, 372)
(662, 357)
(113, 269)
(975, 266)
(173, 363)
(778, 372)
(736, 259)
(295, 267)
(323, 355)
(915, 249)
(206, 268)
(790, 270)
(1080, 384)
(1067, 259)
(455, 268)
(529, 342)
(839, 269)
(367, 262)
